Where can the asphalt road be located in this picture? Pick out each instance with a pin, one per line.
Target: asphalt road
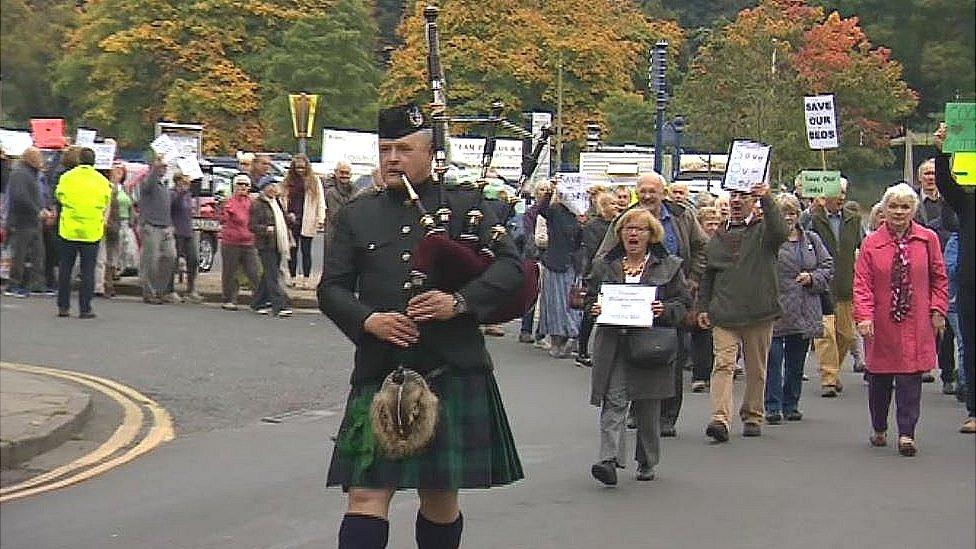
(231, 480)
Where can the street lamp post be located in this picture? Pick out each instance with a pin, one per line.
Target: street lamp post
(302, 106)
(659, 59)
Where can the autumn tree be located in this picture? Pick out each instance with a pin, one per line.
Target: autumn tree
(749, 78)
(512, 50)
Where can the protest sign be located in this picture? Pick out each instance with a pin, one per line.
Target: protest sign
(747, 165)
(571, 189)
(14, 143)
(817, 183)
(964, 168)
(104, 154)
(626, 305)
(821, 120)
(85, 138)
(166, 148)
(47, 133)
(190, 167)
(960, 120)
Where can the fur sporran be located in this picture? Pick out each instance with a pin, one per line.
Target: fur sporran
(403, 414)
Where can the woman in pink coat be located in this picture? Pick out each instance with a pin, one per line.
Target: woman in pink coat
(900, 302)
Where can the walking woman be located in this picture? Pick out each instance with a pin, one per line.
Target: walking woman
(273, 241)
(622, 372)
(237, 242)
(556, 318)
(306, 215)
(900, 304)
(804, 269)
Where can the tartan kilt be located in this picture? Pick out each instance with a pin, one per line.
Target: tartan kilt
(472, 445)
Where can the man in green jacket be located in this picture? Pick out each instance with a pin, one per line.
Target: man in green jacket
(840, 229)
(83, 196)
(739, 300)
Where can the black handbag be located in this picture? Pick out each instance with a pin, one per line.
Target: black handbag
(650, 348)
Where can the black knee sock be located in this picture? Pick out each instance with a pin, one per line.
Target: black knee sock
(431, 535)
(363, 532)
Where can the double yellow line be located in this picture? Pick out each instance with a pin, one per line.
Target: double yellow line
(104, 457)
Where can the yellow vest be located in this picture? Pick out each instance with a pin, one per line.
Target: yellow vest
(83, 194)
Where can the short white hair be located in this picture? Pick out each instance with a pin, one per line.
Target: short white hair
(651, 176)
(899, 192)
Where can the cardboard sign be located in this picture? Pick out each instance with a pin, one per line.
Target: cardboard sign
(817, 183)
(964, 168)
(571, 188)
(507, 160)
(190, 167)
(104, 154)
(747, 165)
(626, 305)
(48, 133)
(14, 143)
(821, 120)
(960, 120)
(85, 138)
(166, 148)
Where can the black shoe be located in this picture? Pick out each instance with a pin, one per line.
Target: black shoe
(774, 418)
(605, 472)
(751, 430)
(89, 314)
(631, 422)
(718, 431)
(584, 361)
(858, 367)
(64, 313)
(668, 431)
(795, 415)
(645, 473)
(928, 378)
(948, 388)
(828, 391)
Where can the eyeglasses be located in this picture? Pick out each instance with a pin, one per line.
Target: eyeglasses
(635, 230)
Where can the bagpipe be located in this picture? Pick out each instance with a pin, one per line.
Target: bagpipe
(440, 261)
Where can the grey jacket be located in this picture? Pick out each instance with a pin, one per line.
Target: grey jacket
(657, 383)
(802, 313)
(154, 200)
(24, 198)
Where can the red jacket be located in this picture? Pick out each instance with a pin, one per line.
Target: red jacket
(235, 217)
(908, 346)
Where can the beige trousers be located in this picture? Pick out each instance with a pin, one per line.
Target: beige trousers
(755, 340)
(837, 341)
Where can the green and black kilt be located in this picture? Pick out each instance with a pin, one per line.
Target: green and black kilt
(472, 446)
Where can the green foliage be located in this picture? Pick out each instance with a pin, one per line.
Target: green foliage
(629, 119)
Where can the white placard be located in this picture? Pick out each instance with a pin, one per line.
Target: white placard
(104, 154)
(747, 165)
(507, 160)
(626, 305)
(14, 143)
(166, 148)
(190, 167)
(821, 119)
(85, 138)
(571, 188)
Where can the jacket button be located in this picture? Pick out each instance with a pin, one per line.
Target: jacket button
(405, 256)
(371, 246)
(405, 229)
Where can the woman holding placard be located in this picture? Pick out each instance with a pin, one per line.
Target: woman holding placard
(634, 362)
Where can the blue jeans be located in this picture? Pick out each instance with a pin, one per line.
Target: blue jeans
(784, 372)
(953, 318)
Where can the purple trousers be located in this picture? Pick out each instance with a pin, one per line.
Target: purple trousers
(908, 401)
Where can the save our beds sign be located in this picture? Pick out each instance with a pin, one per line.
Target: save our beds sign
(821, 119)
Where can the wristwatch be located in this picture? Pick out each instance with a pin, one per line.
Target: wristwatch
(460, 305)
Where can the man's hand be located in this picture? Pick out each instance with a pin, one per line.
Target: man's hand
(595, 310)
(804, 279)
(866, 328)
(939, 136)
(431, 305)
(392, 328)
(657, 308)
(938, 323)
(703, 321)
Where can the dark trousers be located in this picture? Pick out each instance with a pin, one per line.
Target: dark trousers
(186, 247)
(269, 289)
(52, 255)
(528, 320)
(70, 250)
(232, 258)
(586, 328)
(908, 401)
(947, 355)
(305, 247)
(27, 257)
(967, 323)
(671, 407)
(784, 372)
(702, 355)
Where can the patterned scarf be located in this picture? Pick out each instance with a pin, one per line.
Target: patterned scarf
(901, 281)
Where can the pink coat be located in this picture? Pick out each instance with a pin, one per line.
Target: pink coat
(908, 346)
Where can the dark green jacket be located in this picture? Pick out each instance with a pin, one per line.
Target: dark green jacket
(740, 286)
(851, 233)
(368, 262)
